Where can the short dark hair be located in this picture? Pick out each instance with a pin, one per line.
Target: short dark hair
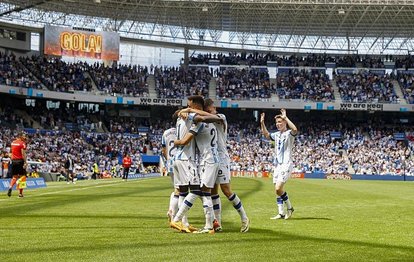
(199, 100)
(208, 102)
(22, 134)
(279, 116)
(175, 115)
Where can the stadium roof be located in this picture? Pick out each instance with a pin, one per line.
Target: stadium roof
(260, 21)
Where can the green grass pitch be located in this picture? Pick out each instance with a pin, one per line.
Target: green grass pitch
(113, 220)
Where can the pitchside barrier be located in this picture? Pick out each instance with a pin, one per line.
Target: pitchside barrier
(136, 176)
(302, 175)
(31, 183)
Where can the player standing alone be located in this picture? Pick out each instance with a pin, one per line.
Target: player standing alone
(126, 164)
(283, 165)
(19, 162)
(70, 166)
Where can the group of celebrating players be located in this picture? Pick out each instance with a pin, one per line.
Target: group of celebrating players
(196, 157)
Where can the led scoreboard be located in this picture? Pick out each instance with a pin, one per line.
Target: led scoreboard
(63, 41)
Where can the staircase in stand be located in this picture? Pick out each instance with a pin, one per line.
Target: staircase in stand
(151, 86)
(337, 94)
(399, 93)
(212, 85)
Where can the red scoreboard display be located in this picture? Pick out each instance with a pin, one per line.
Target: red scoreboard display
(63, 41)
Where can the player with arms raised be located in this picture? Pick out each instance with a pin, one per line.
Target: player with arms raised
(283, 165)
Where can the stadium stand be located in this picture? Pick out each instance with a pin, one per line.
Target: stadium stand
(363, 149)
(307, 81)
(178, 82)
(246, 83)
(366, 87)
(305, 60)
(12, 73)
(58, 75)
(308, 85)
(406, 84)
(122, 79)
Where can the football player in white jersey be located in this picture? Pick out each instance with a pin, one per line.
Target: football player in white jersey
(185, 171)
(223, 178)
(223, 172)
(283, 165)
(168, 151)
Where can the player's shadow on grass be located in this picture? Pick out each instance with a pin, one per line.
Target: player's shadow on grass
(256, 186)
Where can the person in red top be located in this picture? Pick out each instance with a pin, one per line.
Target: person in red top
(19, 163)
(126, 164)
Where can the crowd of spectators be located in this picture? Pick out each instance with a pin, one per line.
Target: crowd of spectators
(234, 58)
(9, 119)
(367, 87)
(58, 75)
(308, 85)
(120, 79)
(315, 151)
(361, 149)
(387, 158)
(296, 60)
(179, 82)
(86, 148)
(407, 87)
(368, 150)
(12, 73)
(246, 83)
(372, 62)
(404, 62)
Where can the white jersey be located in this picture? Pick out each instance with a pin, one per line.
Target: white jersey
(5, 162)
(167, 141)
(187, 152)
(206, 140)
(222, 139)
(283, 146)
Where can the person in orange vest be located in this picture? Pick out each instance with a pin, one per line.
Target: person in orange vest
(19, 162)
(5, 162)
(126, 164)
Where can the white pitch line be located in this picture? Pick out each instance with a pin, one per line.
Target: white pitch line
(85, 187)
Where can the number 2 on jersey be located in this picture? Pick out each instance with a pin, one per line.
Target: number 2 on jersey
(213, 133)
(171, 147)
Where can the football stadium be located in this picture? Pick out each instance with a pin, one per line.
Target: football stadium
(207, 130)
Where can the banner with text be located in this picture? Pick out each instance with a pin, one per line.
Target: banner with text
(338, 176)
(31, 183)
(249, 174)
(297, 175)
(361, 106)
(160, 101)
(64, 41)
